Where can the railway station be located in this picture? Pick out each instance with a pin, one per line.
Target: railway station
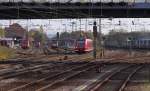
(74, 45)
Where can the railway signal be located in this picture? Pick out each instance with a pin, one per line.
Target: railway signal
(95, 37)
(129, 40)
(95, 30)
(58, 36)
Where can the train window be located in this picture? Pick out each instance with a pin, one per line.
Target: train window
(80, 44)
(138, 42)
(148, 41)
(144, 42)
(141, 42)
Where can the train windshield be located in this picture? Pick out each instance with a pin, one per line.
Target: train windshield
(80, 44)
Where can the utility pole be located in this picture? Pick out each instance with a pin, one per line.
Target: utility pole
(100, 40)
(73, 23)
(58, 36)
(80, 27)
(94, 41)
(86, 25)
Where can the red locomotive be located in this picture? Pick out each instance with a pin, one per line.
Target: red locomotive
(84, 45)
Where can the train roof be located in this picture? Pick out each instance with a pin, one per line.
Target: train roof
(143, 38)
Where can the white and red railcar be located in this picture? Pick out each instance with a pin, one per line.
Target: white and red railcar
(84, 45)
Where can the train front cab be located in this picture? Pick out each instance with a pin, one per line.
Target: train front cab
(80, 46)
(84, 46)
(88, 45)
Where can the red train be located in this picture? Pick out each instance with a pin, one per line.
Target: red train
(84, 45)
(25, 44)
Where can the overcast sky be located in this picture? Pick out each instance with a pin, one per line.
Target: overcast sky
(52, 26)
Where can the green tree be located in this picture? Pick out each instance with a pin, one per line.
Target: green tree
(2, 32)
(38, 35)
(75, 35)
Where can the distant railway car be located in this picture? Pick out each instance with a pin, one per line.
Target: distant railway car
(138, 43)
(54, 44)
(63, 43)
(142, 43)
(25, 44)
(84, 45)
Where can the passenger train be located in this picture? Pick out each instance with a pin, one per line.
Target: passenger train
(139, 44)
(143, 43)
(83, 45)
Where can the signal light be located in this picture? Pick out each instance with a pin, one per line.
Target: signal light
(95, 30)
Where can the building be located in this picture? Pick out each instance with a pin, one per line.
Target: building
(7, 42)
(15, 31)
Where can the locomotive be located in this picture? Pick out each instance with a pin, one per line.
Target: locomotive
(83, 45)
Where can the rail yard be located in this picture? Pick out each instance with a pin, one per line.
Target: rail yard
(74, 45)
(49, 73)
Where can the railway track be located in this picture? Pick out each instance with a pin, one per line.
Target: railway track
(12, 73)
(127, 59)
(53, 79)
(15, 72)
(109, 83)
(49, 81)
(73, 82)
(139, 82)
(48, 76)
(38, 70)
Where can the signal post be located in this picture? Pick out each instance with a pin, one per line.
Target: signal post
(94, 41)
(95, 35)
(58, 37)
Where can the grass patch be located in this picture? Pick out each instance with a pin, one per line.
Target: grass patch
(6, 53)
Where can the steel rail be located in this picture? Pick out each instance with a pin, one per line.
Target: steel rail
(104, 80)
(23, 71)
(128, 78)
(43, 79)
(64, 79)
(107, 79)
